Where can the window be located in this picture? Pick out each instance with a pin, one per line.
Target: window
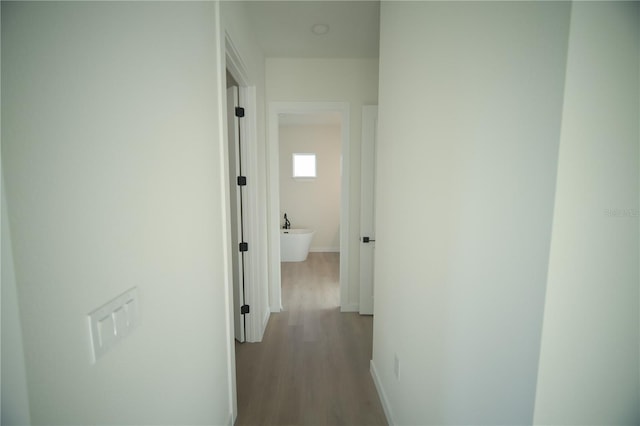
(304, 165)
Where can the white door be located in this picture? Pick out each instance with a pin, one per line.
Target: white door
(367, 207)
(236, 202)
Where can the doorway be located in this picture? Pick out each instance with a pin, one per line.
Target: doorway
(277, 110)
(310, 151)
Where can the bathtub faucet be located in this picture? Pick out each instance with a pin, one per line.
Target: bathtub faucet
(287, 224)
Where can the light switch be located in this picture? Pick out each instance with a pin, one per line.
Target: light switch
(120, 321)
(106, 331)
(132, 311)
(112, 322)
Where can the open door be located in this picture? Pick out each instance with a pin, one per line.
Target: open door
(237, 197)
(367, 207)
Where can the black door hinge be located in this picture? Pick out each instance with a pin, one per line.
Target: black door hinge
(244, 246)
(242, 181)
(244, 309)
(239, 112)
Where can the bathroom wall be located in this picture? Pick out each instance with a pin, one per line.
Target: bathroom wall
(312, 203)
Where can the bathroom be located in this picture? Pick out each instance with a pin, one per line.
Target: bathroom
(310, 153)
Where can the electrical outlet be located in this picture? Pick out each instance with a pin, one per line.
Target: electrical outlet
(396, 366)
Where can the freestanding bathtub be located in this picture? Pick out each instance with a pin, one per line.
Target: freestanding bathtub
(294, 244)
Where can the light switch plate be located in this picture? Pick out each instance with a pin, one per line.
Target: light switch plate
(112, 322)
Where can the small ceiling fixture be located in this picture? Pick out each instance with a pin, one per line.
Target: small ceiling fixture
(320, 29)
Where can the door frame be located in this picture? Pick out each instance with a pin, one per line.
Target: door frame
(273, 193)
(248, 129)
(237, 199)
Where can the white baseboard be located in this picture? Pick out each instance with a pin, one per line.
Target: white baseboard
(324, 249)
(381, 393)
(275, 309)
(352, 307)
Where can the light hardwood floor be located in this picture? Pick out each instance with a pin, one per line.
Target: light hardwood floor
(312, 367)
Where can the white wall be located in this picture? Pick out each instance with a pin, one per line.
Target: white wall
(14, 408)
(312, 203)
(332, 80)
(237, 25)
(589, 357)
(111, 153)
(469, 122)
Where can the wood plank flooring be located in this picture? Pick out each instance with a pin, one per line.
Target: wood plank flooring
(312, 367)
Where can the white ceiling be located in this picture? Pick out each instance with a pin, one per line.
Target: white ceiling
(283, 28)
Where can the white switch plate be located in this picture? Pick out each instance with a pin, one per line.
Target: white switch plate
(112, 322)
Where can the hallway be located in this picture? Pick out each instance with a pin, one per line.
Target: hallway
(312, 367)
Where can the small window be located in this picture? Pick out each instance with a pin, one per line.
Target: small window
(304, 165)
